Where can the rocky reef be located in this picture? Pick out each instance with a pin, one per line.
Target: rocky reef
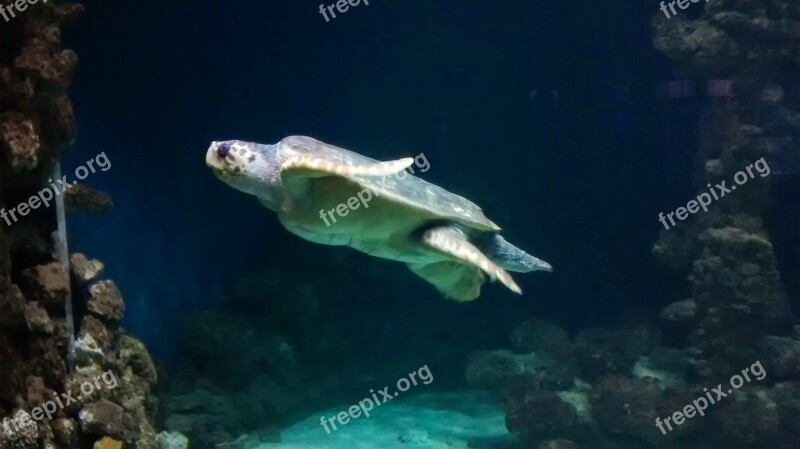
(57, 389)
(738, 310)
(737, 296)
(606, 388)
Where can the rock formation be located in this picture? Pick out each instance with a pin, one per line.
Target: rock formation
(107, 399)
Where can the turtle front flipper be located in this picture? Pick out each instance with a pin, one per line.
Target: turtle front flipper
(310, 167)
(452, 241)
(298, 171)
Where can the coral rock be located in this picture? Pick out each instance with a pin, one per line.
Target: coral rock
(102, 335)
(85, 270)
(54, 68)
(37, 319)
(82, 198)
(85, 375)
(21, 139)
(680, 311)
(495, 370)
(104, 418)
(37, 392)
(23, 431)
(28, 240)
(49, 360)
(12, 309)
(5, 261)
(48, 284)
(786, 396)
(106, 301)
(715, 167)
(68, 11)
(171, 440)
(64, 431)
(538, 415)
(781, 357)
(674, 248)
(625, 406)
(608, 351)
(133, 354)
(536, 335)
(87, 351)
(749, 419)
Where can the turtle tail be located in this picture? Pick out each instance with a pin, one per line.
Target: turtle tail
(508, 256)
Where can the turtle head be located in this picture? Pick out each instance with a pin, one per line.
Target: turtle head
(249, 167)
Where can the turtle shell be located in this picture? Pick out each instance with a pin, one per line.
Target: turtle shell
(408, 190)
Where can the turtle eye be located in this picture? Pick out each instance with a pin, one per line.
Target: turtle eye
(223, 149)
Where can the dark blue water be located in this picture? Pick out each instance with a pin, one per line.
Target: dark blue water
(570, 179)
(544, 113)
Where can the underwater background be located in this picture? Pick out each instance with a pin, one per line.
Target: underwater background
(573, 125)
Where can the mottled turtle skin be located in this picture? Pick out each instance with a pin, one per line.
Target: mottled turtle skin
(443, 237)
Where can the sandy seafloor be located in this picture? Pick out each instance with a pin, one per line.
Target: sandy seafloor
(424, 421)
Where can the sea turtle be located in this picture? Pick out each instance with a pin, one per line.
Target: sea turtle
(442, 237)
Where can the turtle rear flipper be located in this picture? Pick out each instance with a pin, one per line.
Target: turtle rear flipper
(452, 241)
(454, 280)
(509, 256)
